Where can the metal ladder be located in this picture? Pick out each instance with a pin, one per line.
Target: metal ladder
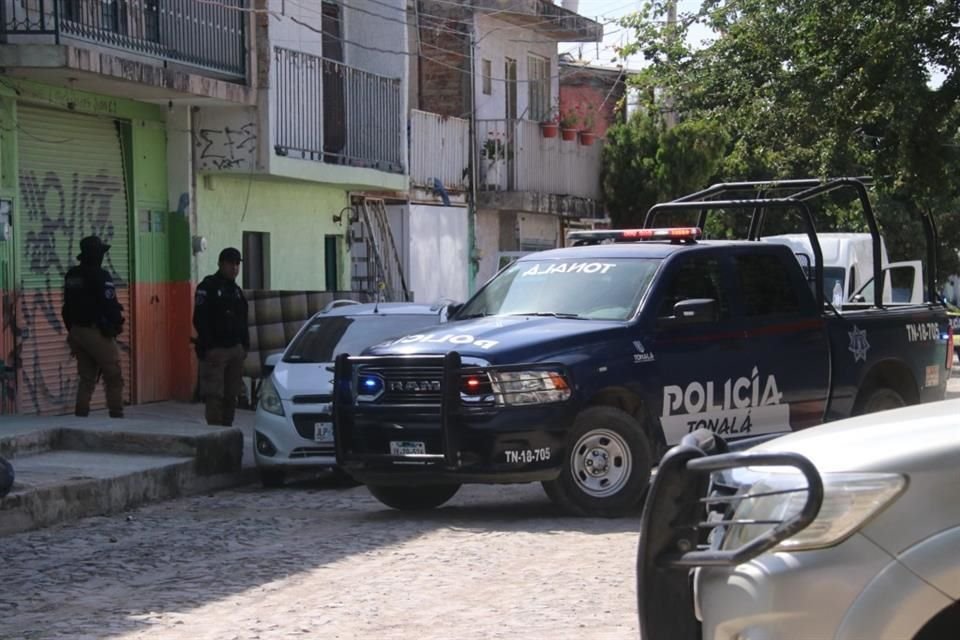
(374, 260)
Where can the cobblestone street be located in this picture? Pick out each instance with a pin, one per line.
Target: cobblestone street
(310, 561)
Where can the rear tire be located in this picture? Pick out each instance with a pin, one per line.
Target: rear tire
(606, 471)
(414, 498)
(879, 399)
(272, 478)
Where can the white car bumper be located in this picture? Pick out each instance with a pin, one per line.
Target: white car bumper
(288, 440)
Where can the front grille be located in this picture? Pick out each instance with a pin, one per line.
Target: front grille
(312, 452)
(319, 398)
(409, 385)
(304, 422)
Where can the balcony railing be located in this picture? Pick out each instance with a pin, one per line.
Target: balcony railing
(513, 155)
(329, 112)
(439, 150)
(207, 35)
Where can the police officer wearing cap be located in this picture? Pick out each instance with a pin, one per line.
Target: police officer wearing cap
(220, 318)
(94, 318)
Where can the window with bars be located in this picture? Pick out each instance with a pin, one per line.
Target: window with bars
(538, 86)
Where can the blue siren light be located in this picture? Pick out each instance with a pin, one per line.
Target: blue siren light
(370, 384)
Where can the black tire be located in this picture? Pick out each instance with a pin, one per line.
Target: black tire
(879, 399)
(617, 441)
(272, 478)
(414, 498)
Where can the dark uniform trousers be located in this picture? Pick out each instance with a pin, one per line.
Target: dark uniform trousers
(221, 376)
(96, 355)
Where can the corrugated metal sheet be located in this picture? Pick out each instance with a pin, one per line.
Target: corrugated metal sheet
(439, 149)
(72, 184)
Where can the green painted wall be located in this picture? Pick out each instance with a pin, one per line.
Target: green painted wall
(297, 215)
(83, 101)
(155, 227)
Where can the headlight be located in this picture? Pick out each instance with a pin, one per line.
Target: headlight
(269, 398)
(513, 388)
(849, 501)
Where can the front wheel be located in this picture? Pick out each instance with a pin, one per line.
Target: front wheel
(607, 467)
(414, 498)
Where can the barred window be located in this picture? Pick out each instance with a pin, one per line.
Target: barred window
(538, 74)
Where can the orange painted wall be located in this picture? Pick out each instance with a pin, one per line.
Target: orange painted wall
(166, 367)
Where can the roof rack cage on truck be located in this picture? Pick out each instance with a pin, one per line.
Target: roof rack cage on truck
(795, 194)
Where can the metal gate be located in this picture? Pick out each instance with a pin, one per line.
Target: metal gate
(73, 183)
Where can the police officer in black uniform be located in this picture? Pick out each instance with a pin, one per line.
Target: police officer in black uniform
(220, 318)
(94, 318)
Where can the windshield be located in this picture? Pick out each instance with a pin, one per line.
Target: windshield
(590, 289)
(327, 337)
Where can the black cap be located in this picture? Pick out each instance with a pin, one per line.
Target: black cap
(230, 255)
(92, 245)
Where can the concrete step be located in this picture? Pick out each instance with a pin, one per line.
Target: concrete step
(62, 485)
(73, 469)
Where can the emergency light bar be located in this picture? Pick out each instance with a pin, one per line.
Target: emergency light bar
(687, 234)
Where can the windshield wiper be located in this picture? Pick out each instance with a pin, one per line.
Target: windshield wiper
(552, 314)
(471, 316)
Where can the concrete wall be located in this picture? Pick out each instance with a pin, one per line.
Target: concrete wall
(488, 242)
(498, 40)
(373, 30)
(375, 36)
(226, 139)
(286, 33)
(538, 229)
(297, 215)
(438, 258)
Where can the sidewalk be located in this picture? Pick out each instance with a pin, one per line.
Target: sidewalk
(68, 467)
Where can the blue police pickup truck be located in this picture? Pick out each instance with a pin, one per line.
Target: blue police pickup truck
(578, 367)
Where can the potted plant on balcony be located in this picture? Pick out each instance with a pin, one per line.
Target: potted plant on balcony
(589, 117)
(494, 154)
(549, 126)
(568, 125)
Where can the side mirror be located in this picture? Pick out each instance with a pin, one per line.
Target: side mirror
(452, 309)
(693, 311)
(273, 359)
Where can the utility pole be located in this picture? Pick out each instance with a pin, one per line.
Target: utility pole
(473, 252)
(670, 115)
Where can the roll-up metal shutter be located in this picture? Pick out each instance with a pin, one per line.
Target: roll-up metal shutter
(72, 184)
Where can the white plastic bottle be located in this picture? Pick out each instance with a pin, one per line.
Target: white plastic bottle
(837, 295)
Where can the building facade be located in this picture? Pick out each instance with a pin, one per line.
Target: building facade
(494, 65)
(94, 114)
(173, 129)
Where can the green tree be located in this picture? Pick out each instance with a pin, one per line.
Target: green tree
(645, 163)
(824, 88)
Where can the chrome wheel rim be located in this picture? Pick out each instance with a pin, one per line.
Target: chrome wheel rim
(601, 463)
